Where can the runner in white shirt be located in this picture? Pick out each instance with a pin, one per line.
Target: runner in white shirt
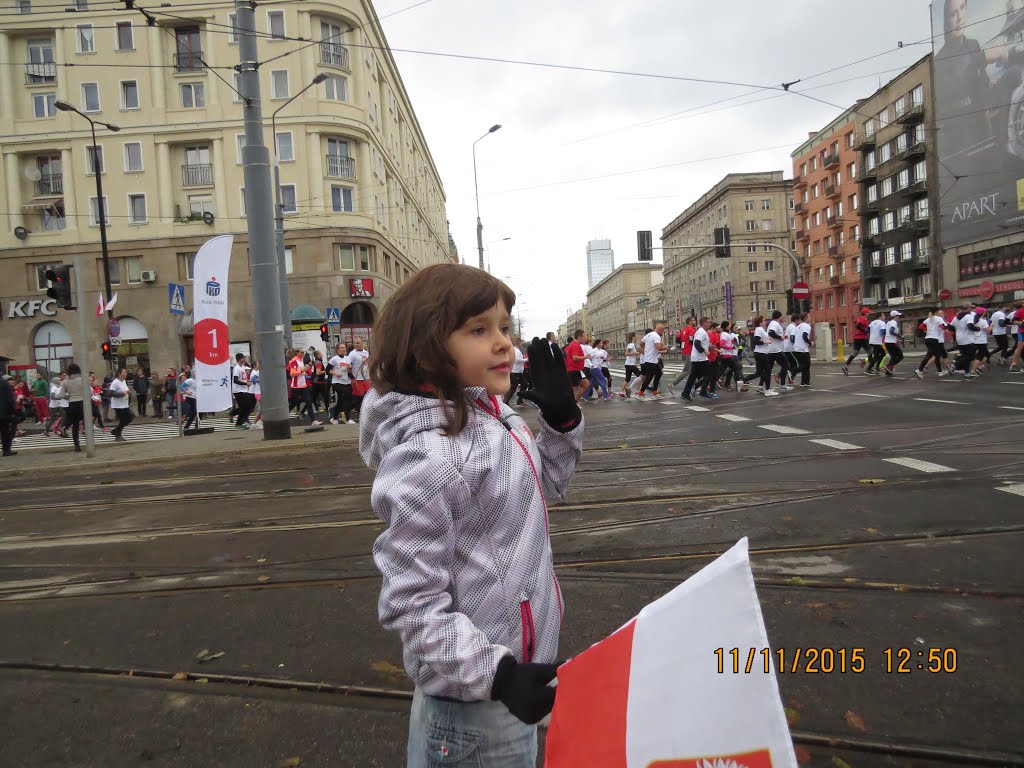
(516, 374)
(980, 339)
(698, 359)
(964, 335)
(650, 362)
(1000, 333)
(241, 388)
(934, 341)
(359, 375)
(892, 340)
(876, 335)
(341, 385)
(731, 365)
(774, 351)
(788, 362)
(631, 367)
(802, 349)
(761, 357)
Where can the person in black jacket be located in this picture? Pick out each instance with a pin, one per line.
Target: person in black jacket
(8, 417)
(140, 385)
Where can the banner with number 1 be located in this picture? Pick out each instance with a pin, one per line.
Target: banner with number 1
(210, 298)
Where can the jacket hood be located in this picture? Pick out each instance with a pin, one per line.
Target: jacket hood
(386, 421)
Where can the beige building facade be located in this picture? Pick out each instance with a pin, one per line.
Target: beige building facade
(362, 197)
(611, 302)
(758, 209)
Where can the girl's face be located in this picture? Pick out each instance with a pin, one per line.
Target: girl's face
(482, 351)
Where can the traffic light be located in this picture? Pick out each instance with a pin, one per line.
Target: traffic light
(644, 248)
(105, 347)
(722, 242)
(323, 333)
(60, 286)
(792, 305)
(805, 305)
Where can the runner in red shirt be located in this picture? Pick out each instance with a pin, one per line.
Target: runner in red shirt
(574, 359)
(685, 339)
(714, 367)
(860, 339)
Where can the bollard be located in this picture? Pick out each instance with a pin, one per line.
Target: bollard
(840, 352)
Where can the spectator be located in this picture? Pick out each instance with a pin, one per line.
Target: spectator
(8, 416)
(171, 393)
(72, 389)
(156, 394)
(141, 386)
(41, 398)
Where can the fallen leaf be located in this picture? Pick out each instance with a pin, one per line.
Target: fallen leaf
(854, 721)
(838, 762)
(815, 606)
(792, 716)
(802, 755)
(262, 559)
(871, 530)
(262, 578)
(387, 668)
(180, 676)
(202, 680)
(796, 581)
(787, 518)
(291, 762)
(205, 655)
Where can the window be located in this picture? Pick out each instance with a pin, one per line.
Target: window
(754, 286)
(890, 255)
(753, 306)
(883, 118)
(346, 257)
(24, 6)
(90, 97)
(237, 98)
(831, 300)
(814, 191)
(239, 146)
(193, 95)
(751, 225)
(766, 225)
(769, 285)
(842, 238)
(54, 219)
(920, 171)
(751, 249)
(851, 171)
(767, 249)
(341, 199)
(241, 191)
(751, 267)
(906, 251)
(803, 169)
(869, 127)
(842, 268)
(885, 188)
(85, 41)
(876, 258)
(901, 106)
(94, 158)
(869, 161)
(919, 133)
(806, 196)
(772, 304)
(817, 218)
(814, 163)
(137, 209)
(129, 94)
(133, 266)
(885, 152)
(917, 96)
(842, 303)
(187, 263)
(114, 270)
(889, 221)
(233, 32)
(279, 84)
(921, 209)
(367, 259)
(872, 193)
(43, 104)
(275, 23)
(200, 204)
(133, 157)
(873, 226)
(748, 205)
(831, 270)
(285, 151)
(903, 179)
(766, 205)
(41, 282)
(289, 260)
(853, 202)
(828, 241)
(904, 214)
(288, 204)
(336, 88)
(769, 266)
(855, 232)
(901, 143)
(124, 36)
(94, 212)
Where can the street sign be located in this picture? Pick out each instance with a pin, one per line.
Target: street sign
(176, 298)
(333, 315)
(986, 289)
(115, 341)
(945, 294)
(114, 328)
(801, 290)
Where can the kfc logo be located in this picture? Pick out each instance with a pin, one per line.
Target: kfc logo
(360, 287)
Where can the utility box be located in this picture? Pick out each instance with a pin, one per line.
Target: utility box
(822, 342)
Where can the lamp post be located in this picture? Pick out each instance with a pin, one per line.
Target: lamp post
(476, 191)
(282, 267)
(492, 242)
(101, 209)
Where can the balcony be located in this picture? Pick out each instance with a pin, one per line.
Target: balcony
(189, 61)
(49, 185)
(869, 241)
(832, 222)
(865, 141)
(197, 175)
(803, 234)
(800, 208)
(833, 251)
(341, 167)
(915, 226)
(40, 74)
(831, 159)
(799, 181)
(832, 190)
(869, 206)
(867, 174)
(921, 260)
(334, 54)
(916, 189)
(919, 149)
(834, 280)
(875, 270)
(911, 116)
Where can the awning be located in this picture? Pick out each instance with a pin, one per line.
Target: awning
(44, 202)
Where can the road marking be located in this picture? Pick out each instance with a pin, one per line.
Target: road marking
(1015, 489)
(831, 374)
(1011, 408)
(732, 417)
(921, 466)
(697, 408)
(669, 402)
(1013, 382)
(866, 394)
(947, 402)
(783, 430)
(838, 445)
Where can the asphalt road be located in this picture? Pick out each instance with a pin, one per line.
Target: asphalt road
(881, 514)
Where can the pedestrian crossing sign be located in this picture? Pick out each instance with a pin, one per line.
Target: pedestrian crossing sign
(333, 315)
(176, 293)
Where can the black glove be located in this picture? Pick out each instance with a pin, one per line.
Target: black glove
(524, 689)
(551, 392)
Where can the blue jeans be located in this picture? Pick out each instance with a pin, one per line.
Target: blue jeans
(597, 380)
(477, 734)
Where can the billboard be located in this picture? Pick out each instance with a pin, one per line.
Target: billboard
(978, 52)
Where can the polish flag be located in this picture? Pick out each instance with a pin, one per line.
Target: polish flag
(652, 696)
(100, 307)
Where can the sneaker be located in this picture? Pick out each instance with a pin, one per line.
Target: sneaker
(919, 373)
(888, 370)
(335, 421)
(711, 396)
(658, 397)
(943, 373)
(623, 395)
(641, 398)
(608, 397)
(845, 370)
(770, 393)
(687, 398)
(316, 423)
(759, 388)
(744, 388)
(258, 425)
(970, 375)
(951, 368)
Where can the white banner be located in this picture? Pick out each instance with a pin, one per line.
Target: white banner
(212, 370)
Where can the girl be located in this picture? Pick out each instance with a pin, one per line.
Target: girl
(461, 483)
(257, 392)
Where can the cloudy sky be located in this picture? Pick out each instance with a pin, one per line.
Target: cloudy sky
(585, 155)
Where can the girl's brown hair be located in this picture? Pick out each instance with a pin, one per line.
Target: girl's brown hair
(411, 337)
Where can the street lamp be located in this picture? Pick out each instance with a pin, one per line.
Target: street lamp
(101, 211)
(282, 268)
(476, 191)
(489, 244)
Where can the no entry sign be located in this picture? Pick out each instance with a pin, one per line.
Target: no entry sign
(801, 290)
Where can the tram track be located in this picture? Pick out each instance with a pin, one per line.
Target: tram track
(211, 683)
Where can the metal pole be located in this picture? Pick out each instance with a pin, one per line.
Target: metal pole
(82, 356)
(479, 224)
(282, 265)
(263, 254)
(102, 212)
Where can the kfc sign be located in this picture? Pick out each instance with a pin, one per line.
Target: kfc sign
(360, 288)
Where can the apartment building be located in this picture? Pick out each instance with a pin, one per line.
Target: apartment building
(758, 210)
(600, 261)
(611, 301)
(361, 194)
(827, 193)
(575, 321)
(897, 171)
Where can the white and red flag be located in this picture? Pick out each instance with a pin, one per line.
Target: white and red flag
(652, 695)
(104, 307)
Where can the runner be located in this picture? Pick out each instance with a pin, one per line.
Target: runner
(650, 359)
(574, 360)
(1000, 333)
(802, 349)
(701, 344)
(788, 374)
(876, 337)
(685, 339)
(760, 342)
(605, 357)
(892, 340)
(516, 375)
(630, 363)
(728, 343)
(709, 387)
(598, 383)
(935, 341)
(776, 337)
(1017, 331)
(341, 385)
(980, 330)
(860, 340)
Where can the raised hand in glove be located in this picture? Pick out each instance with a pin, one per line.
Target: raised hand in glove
(551, 391)
(524, 689)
